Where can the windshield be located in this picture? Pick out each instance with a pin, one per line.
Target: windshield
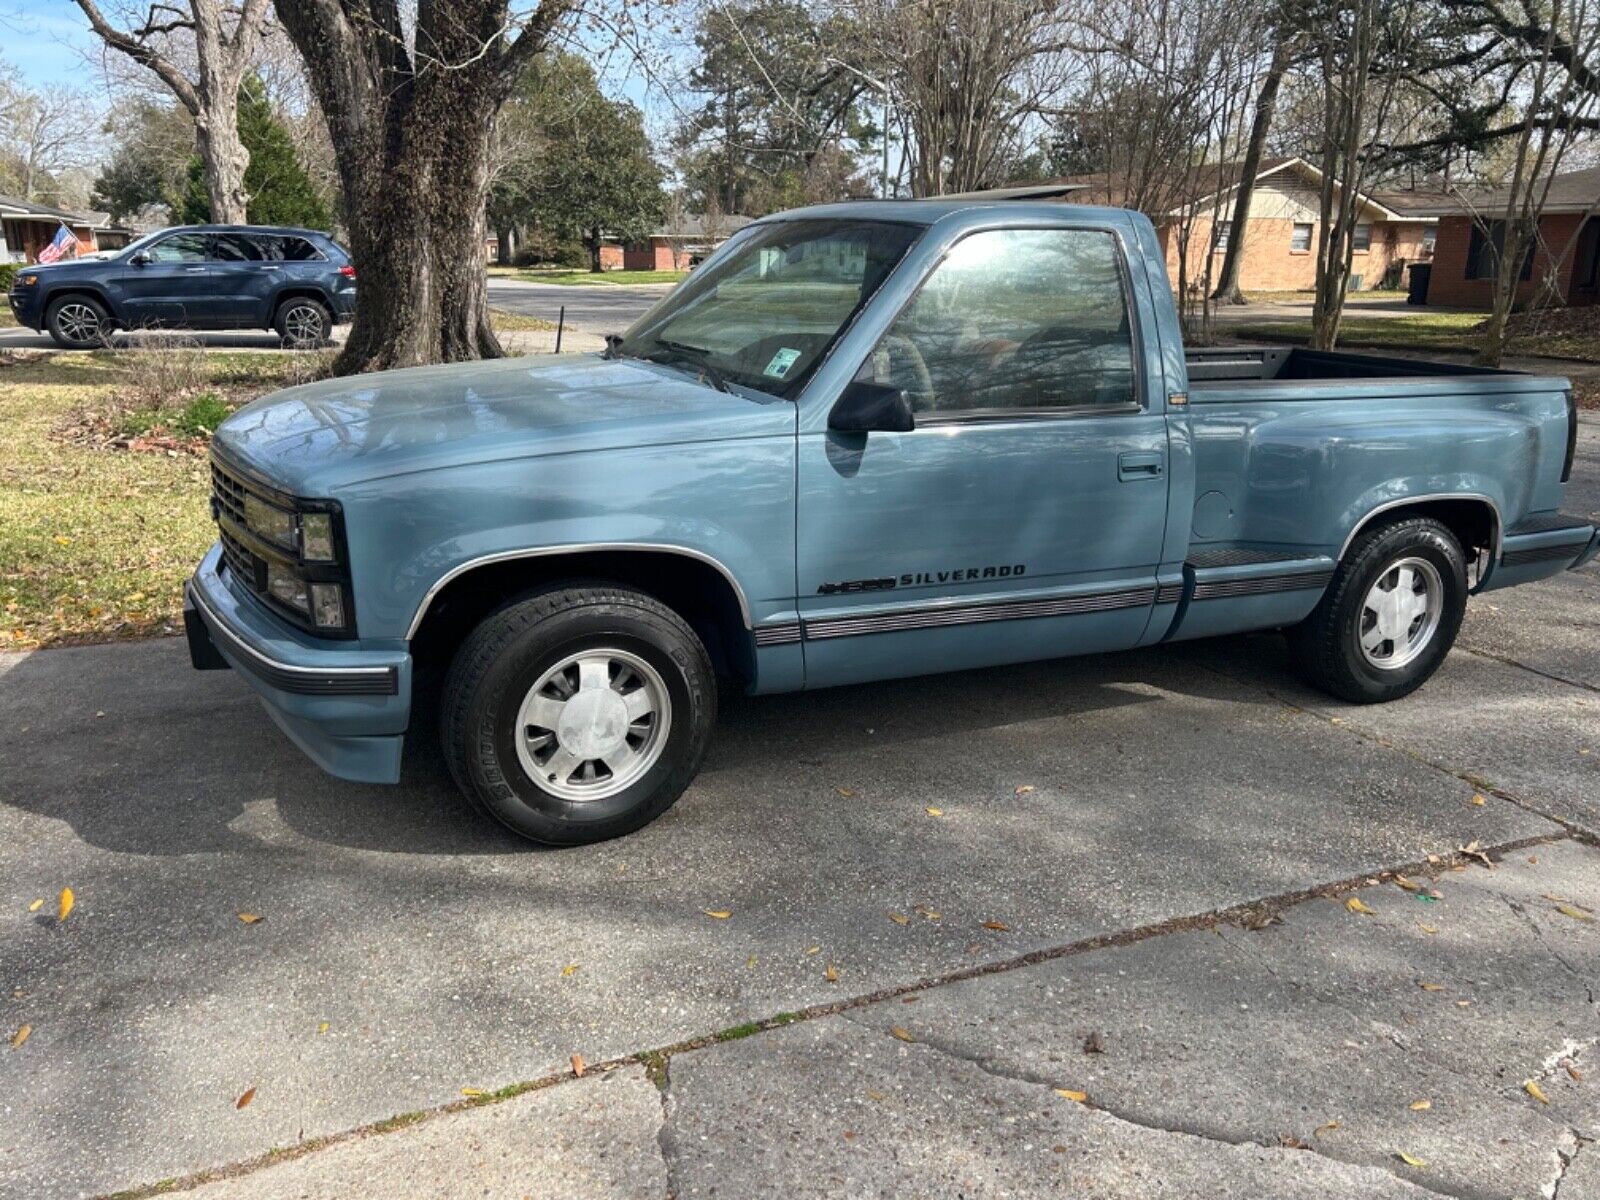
(764, 313)
(138, 244)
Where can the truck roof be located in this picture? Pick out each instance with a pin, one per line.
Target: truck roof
(927, 212)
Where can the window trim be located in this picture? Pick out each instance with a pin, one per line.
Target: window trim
(991, 416)
(1355, 246)
(1311, 236)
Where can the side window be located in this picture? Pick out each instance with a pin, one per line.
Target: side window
(234, 247)
(297, 249)
(1363, 237)
(180, 248)
(1014, 320)
(1300, 240)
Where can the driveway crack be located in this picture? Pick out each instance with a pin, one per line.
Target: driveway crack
(1179, 1130)
(1538, 934)
(666, 1144)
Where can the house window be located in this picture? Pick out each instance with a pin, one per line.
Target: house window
(1363, 237)
(1223, 229)
(1430, 235)
(1485, 249)
(1300, 242)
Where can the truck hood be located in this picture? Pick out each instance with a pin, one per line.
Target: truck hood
(312, 439)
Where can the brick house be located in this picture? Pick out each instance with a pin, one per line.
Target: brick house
(1563, 266)
(1393, 228)
(674, 247)
(27, 228)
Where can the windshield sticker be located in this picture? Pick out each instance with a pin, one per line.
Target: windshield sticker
(781, 362)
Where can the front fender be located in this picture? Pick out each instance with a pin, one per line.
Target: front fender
(730, 504)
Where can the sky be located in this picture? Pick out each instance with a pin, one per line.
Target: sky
(46, 41)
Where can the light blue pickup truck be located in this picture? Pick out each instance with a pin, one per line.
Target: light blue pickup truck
(862, 441)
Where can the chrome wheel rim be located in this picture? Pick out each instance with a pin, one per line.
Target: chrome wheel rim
(78, 322)
(593, 724)
(1401, 613)
(303, 325)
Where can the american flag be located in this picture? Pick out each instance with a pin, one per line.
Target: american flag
(64, 246)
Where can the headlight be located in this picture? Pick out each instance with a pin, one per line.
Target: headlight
(264, 520)
(288, 588)
(27, 280)
(327, 605)
(316, 537)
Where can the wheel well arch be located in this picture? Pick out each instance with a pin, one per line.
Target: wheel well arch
(300, 291)
(1473, 518)
(697, 588)
(65, 291)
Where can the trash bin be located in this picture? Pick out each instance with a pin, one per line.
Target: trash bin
(1417, 283)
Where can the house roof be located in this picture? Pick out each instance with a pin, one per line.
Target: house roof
(1212, 178)
(13, 206)
(691, 226)
(1572, 192)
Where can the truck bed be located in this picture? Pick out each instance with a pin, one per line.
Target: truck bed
(1215, 365)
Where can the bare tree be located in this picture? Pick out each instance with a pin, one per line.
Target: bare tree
(963, 77)
(46, 133)
(1360, 47)
(224, 39)
(1283, 51)
(411, 109)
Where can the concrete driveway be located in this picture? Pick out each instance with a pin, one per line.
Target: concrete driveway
(1135, 847)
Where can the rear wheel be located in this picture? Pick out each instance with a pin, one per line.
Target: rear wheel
(303, 323)
(578, 714)
(1390, 615)
(77, 322)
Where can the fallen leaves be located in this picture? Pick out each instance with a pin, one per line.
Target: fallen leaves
(899, 918)
(813, 949)
(1411, 1160)
(244, 1100)
(21, 1036)
(250, 918)
(831, 973)
(1430, 930)
(1431, 987)
(569, 970)
(322, 1028)
(901, 1032)
(36, 905)
(1025, 789)
(66, 903)
(997, 926)
(1533, 1089)
(1478, 799)
(1573, 911)
(1474, 850)
(577, 1065)
(1326, 1127)
(926, 913)
(934, 812)
(472, 1093)
(718, 914)
(1356, 905)
(1074, 1095)
(847, 793)
(1421, 1105)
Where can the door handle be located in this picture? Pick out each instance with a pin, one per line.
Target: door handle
(1139, 465)
(194, 270)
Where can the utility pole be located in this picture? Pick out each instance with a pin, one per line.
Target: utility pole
(882, 89)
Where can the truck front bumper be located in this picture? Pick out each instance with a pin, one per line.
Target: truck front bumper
(344, 705)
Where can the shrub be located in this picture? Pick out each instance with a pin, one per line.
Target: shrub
(163, 370)
(8, 272)
(198, 418)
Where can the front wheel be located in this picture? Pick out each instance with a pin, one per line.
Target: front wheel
(578, 714)
(303, 323)
(77, 322)
(1390, 615)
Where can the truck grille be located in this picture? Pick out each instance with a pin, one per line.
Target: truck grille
(229, 494)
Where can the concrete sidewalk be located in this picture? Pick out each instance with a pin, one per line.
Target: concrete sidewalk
(1441, 1043)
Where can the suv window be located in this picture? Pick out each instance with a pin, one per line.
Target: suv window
(1014, 320)
(235, 247)
(180, 248)
(292, 249)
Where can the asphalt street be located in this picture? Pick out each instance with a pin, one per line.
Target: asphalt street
(1137, 847)
(595, 308)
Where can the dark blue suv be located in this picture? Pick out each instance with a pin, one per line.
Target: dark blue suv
(297, 281)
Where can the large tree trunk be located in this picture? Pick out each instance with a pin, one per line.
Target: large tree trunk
(223, 158)
(1228, 290)
(412, 139)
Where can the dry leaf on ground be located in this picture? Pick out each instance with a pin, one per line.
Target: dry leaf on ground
(471, 1093)
(250, 918)
(21, 1036)
(36, 905)
(1356, 905)
(934, 812)
(901, 1032)
(1025, 789)
(1577, 914)
(67, 901)
(719, 914)
(244, 1100)
(1411, 1160)
(997, 926)
(899, 918)
(1421, 1105)
(1072, 1094)
(1537, 1092)
(577, 1065)
(831, 973)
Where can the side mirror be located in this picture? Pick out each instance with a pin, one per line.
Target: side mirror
(142, 258)
(871, 407)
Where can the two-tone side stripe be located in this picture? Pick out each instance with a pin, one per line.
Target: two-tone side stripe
(1533, 554)
(944, 616)
(778, 633)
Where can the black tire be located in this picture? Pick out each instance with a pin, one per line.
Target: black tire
(67, 317)
(303, 323)
(503, 659)
(1326, 646)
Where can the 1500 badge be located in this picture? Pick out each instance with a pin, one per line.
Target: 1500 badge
(922, 579)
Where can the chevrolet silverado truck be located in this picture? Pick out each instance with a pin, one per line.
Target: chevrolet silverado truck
(862, 441)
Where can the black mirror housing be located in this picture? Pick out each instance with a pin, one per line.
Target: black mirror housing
(871, 408)
(140, 259)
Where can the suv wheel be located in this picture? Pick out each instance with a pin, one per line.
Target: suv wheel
(578, 714)
(77, 322)
(303, 323)
(1390, 615)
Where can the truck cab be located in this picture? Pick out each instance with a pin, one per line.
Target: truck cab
(862, 441)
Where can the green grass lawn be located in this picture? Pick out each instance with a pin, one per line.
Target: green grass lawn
(95, 542)
(590, 279)
(1423, 331)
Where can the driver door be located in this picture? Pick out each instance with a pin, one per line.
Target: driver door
(1023, 517)
(170, 287)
